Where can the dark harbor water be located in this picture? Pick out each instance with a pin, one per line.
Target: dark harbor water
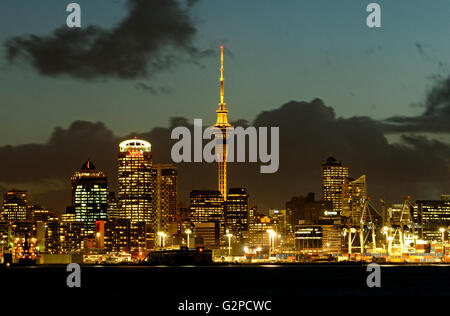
(287, 287)
(240, 280)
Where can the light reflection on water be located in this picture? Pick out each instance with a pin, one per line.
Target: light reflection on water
(241, 266)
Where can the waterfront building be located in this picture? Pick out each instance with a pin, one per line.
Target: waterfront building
(430, 217)
(89, 195)
(117, 235)
(15, 205)
(37, 213)
(165, 195)
(258, 230)
(65, 237)
(308, 238)
(332, 239)
(354, 194)
(236, 213)
(206, 235)
(208, 206)
(279, 219)
(306, 210)
(135, 182)
(113, 206)
(334, 174)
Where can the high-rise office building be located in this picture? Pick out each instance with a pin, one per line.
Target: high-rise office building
(333, 177)
(37, 213)
(258, 230)
(354, 194)
(430, 216)
(308, 238)
(89, 195)
(117, 235)
(113, 206)
(207, 206)
(165, 194)
(15, 205)
(135, 181)
(306, 210)
(222, 131)
(206, 235)
(279, 219)
(69, 215)
(142, 236)
(5, 234)
(332, 239)
(236, 213)
(65, 237)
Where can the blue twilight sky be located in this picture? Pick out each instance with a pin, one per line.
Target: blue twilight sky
(281, 50)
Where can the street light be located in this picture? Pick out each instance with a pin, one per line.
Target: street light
(390, 238)
(271, 237)
(386, 230)
(229, 235)
(162, 236)
(188, 232)
(442, 230)
(98, 241)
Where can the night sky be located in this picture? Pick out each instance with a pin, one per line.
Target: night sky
(277, 51)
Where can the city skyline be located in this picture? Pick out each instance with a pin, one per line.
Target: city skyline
(407, 152)
(126, 170)
(96, 141)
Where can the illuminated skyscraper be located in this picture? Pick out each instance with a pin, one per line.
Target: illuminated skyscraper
(223, 129)
(333, 177)
(431, 216)
(113, 206)
(354, 193)
(15, 205)
(65, 237)
(305, 210)
(258, 230)
(37, 213)
(135, 182)
(207, 207)
(89, 195)
(236, 213)
(165, 194)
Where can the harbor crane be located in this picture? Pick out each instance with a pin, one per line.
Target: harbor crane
(399, 227)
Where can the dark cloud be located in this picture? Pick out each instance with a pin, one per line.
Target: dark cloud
(154, 36)
(309, 133)
(436, 116)
(152, 90)
(429, 56)
(419, 47)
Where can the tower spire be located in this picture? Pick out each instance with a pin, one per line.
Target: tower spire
(222, 119)
(222, 131)
(222, 103)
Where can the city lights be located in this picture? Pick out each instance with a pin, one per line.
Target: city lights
(145, 221)
(188, 232)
